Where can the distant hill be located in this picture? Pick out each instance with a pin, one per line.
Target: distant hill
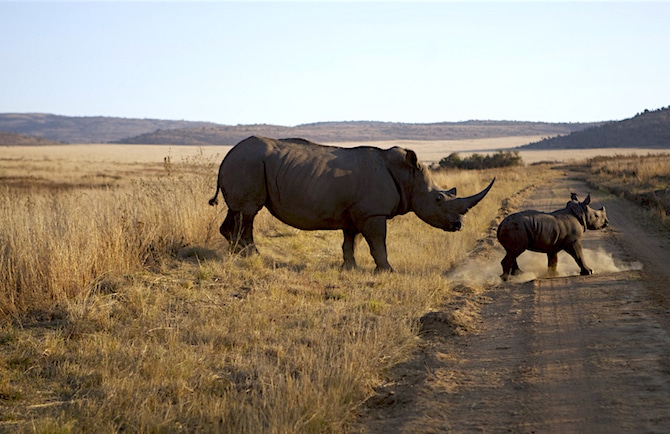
(12, 139)
(97, 129)
(358, 131)
(649, 129)
(68, 129)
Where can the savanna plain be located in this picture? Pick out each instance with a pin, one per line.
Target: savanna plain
(121, 310)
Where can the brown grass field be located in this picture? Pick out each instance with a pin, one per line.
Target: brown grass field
(120, 309)
(428, 151)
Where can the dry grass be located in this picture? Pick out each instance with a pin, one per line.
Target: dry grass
(641, 178)
(121, 311)
(646, 171)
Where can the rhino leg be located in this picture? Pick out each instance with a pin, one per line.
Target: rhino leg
(237, 229)
(374, 232)
(227, 228)
(576, 252)
(348, 247)
(552, 260)
(247, 238)
(509, 265)
(552, 263)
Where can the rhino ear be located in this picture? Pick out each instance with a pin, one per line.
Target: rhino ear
(587, 200)
(450, 192)
(411, 158)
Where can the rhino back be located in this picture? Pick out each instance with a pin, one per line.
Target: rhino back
(311, 186)
(531, 230)
(552, 232)
(546, 232)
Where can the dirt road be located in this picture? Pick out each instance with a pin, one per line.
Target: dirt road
(566, 354)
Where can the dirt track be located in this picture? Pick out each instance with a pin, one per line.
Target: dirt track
(567, 354)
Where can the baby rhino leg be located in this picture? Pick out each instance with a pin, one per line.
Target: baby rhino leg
(552, 263)
(576, 252)
(510, 265)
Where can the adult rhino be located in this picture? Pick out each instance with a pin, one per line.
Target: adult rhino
(312, 187)
(549, 233)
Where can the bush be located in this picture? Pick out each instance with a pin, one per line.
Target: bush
(479, 161)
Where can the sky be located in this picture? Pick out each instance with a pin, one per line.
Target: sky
(291, 63)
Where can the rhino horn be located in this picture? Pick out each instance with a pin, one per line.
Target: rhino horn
(463, 204)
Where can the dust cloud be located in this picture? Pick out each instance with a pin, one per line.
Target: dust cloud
(478, 271)
(487, 271)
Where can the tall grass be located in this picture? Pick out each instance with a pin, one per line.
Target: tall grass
(644, 170)
(55, 245)
(641, 178)
(122, 311)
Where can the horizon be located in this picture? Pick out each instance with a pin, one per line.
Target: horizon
(332, 121)
(299, 63)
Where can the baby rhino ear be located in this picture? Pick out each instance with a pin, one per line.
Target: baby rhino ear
(587, 200)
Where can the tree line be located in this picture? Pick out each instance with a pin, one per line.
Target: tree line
(479, 161)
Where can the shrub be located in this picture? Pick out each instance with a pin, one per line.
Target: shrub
(478, 161)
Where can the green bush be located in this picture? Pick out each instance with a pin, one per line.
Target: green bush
(479, 161)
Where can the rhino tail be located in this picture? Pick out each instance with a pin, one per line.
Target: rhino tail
(215, 200)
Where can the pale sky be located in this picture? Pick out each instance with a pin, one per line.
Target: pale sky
(292, 63)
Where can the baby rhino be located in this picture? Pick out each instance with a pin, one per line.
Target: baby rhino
(549, 233)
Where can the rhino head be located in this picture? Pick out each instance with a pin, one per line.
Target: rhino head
(441, 208)
(589, 218)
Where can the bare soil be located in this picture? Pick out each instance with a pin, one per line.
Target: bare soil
(566, 354)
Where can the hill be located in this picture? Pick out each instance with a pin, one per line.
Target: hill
(12, 139)
(100, 129)
(97, 129)
(649, 129)
(358, 131)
